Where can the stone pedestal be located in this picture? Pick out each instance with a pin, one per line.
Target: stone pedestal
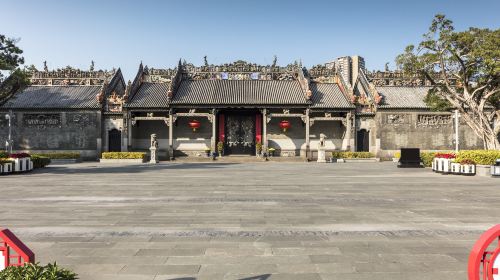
(321, 155)
(154, 155)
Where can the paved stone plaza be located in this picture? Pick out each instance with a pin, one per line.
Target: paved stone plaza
(250, 220)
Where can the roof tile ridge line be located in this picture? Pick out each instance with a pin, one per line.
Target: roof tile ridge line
(345, 87)
(176, 81)
(136, 84)
(304, 83)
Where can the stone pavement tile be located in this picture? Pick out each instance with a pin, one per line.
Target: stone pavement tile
(306, 251)
(180, 239)
(335, 268)
(389, 267)
(95, 268)
(160, 269)
(238, 269)
(114, 277)
(297, 268)
(102, 252)
(235, 251)
(171, 252)
(114, 260)
(273, 276)
(86, 244)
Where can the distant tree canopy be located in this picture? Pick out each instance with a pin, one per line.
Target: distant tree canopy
(10, 60)
(470, 57)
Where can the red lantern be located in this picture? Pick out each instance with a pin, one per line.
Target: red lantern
(194, 124)
(285, 125)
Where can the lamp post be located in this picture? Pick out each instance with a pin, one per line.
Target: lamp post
(457, 115)
(8, 143)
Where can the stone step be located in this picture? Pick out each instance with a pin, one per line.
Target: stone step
(239, 159)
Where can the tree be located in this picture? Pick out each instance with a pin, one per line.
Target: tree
(464, 70)
(10, 57)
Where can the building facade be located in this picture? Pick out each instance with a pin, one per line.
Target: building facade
(239, 105)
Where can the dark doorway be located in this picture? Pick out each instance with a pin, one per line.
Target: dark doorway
(114, 140)
(240, 134)
(363, 141)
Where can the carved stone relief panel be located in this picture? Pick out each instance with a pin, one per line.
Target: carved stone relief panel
(433, 120)
(80, 120)
(42, 121)
(396, 119)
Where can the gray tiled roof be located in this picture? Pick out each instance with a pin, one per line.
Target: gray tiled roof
(55, 97)
(150, 95)
(403, 97)
(328, 96)
(244, 92)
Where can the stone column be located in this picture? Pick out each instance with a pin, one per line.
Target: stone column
(346, 142)
(171, 136)
(264, 130)
(213, 144)
(101, 132)
(129, 130)
(308, 138)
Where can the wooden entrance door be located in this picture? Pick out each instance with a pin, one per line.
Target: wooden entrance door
(363, 141)
(114, 140)
(240, 134)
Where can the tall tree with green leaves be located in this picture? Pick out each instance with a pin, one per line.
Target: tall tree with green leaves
(464, 69)
(10, 54)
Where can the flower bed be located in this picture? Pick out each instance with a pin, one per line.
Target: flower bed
(351, 155)
(68, 155)
(40, 161)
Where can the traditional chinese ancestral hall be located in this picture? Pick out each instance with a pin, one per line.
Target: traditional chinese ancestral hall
(193, 108)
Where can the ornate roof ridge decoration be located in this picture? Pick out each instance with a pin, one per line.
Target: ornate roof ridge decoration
(304, 84)
(176, 81)
(344, 86)
(400, 78)
(322, 74)
(69, 76)
(240, 70)
(136, 84)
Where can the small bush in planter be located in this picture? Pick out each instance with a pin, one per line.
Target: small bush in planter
(68, 155)
(467, 162)
(40, 161)
(124, 155)
(220, 147)
(19, 155)
(37, 272)
(258, 147)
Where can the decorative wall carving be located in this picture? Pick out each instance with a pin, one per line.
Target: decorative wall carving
(42, 121)
(433, 120)
(396, 119)
(80, 120)
(115, 103)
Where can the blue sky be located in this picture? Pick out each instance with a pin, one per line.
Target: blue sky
(123, 33)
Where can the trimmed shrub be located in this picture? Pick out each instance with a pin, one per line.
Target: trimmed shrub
(37, 272)
(40, 161)
(427, 158)
(340, 154)
(124, 155)
(484, 157)
(68, 155)
(4, 160)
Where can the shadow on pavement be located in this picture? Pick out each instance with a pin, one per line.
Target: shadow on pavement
(129, 168)
(258, 277)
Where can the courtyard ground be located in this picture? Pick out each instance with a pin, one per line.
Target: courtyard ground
(254, 221)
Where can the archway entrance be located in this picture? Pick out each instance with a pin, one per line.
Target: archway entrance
(363, 141)
(114, 140)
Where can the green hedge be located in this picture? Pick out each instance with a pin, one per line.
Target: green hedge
(37, 272)
(40, 161)
(60, 155)
(485, 157)
(4, 160)
(124, 155)
(341, 154)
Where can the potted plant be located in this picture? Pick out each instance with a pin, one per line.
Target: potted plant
(207, 152)
(444, 162)
(271, 151)
(468, 167)
(220, 148)
(455, 167)
(21, 162)
(258, 148)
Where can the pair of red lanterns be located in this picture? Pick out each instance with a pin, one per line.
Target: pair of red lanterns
(195, 124)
